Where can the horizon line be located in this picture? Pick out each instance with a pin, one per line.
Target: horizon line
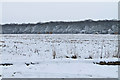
(61, 21)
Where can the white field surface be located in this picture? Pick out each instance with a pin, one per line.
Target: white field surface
(19, 49)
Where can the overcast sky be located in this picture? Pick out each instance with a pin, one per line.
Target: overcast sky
(29, 12)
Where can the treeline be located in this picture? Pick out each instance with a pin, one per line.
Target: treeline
(60, 27)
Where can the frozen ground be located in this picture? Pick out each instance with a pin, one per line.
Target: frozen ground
(38, 50)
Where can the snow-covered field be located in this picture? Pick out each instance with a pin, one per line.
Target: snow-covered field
(74, 55)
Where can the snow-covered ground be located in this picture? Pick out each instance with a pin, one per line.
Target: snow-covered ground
(39, 49)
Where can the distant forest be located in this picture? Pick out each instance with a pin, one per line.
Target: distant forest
(61, 27)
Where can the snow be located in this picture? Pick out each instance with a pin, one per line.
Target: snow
(38, 48)
(61, 69)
